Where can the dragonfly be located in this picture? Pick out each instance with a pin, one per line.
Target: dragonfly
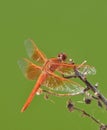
(48, 72)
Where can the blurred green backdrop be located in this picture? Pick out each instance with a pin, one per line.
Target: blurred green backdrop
(77, 27)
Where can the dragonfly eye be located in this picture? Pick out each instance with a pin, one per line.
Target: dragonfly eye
(62, 56)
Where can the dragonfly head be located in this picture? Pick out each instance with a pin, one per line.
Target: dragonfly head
(62, 56)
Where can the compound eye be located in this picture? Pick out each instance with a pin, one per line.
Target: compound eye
(62, 56)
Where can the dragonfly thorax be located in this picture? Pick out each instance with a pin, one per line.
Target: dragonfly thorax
(51, 64)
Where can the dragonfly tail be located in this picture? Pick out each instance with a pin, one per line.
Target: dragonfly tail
(40, 80)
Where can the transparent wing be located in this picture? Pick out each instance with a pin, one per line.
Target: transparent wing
(30, 70)
(33, 52)
(57, 83)
(87, 70)
(68, 69)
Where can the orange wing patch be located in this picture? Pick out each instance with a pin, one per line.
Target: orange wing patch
(57, 83)
(30, 70)
(68, 69)
(34, 52)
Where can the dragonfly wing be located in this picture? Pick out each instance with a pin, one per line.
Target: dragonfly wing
(30, 70)
(87, 70)
(57, 83)
(68, 69)
(34, 52)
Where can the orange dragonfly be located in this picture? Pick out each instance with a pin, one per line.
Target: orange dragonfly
(46, 72)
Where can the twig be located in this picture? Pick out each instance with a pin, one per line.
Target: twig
(89, 86)
(71, 108)
(88, 115)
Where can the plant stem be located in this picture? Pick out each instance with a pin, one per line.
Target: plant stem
(89, 86)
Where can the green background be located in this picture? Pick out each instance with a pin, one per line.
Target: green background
(77, 27)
